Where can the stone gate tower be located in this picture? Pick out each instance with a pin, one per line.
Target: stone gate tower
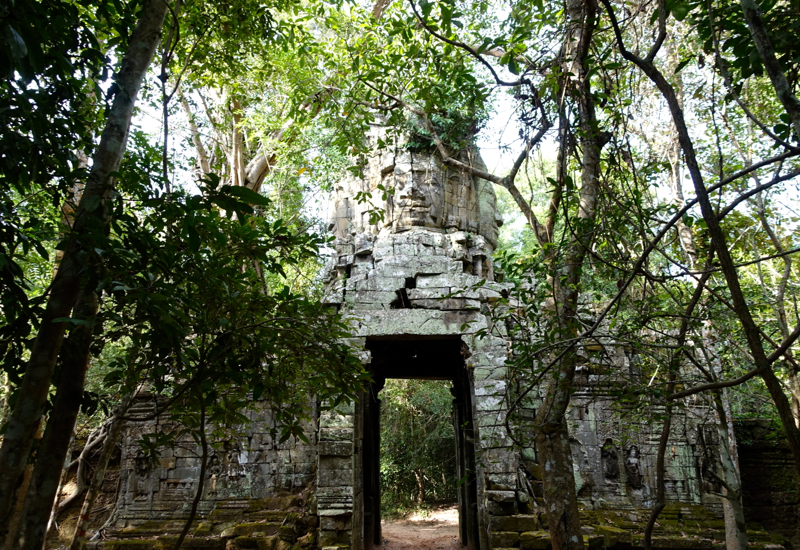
(413, 271)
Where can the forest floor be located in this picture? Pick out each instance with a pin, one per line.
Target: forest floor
(436, 530)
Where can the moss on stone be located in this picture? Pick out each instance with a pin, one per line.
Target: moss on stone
(247, 529)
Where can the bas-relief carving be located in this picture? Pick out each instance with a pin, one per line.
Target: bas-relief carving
(610, 460)
(248, 465)
(632, 469)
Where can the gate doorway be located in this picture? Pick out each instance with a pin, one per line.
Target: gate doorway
(424, 359)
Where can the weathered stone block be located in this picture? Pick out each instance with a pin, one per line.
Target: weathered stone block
(374, 296)
(335, 448)
(489, 403)
(328, 538)
(490, 387)
(418, 321)
(383, 284)
(333, 419)
(519, 523)
(681, 542)
(613, 535)
(335, 463)
(335, 478)
(505, 483)
(500, 496)
(336, 523)
(502, 508)
(504, 539)
(535, 540)
(330, 434)
(427, 293)
(247, 529)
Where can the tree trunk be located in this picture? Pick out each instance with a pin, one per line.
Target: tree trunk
(552, 437)
(79, 538)
(68, 282)
(200, 482)
(673, 370)
(660, 471)
(237, 145)
(735, 527)
(420, 487)
(561, 500)
(64, 473)
(6, 395)
(783, 90)
(202, 155)
(42, 491)
(16, 511)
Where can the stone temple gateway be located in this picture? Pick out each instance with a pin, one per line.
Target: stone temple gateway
(413, 271)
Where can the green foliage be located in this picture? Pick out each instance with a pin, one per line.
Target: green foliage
(49, 57)
(193, 283)
(417, 445)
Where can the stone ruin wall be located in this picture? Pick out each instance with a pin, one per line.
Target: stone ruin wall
(419, 271)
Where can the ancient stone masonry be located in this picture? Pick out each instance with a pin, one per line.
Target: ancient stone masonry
(412, 270)
(420, 270)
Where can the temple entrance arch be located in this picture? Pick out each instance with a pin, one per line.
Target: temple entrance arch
(422, 358)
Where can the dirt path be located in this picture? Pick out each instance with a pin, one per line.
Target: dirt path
(437, 531)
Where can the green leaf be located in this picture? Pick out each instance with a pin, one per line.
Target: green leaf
(15, 43)
(71, 321)
(680, 10)
(246, 194)
(682, 64)
(92, 203)
(194, 238)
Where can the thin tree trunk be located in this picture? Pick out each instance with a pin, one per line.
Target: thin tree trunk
(16, 511)
(552, 437)
(202, 155)
(735, 527)
(6, 395)
(114, 429)
(779, 303)
(64, 473)
(60, 426)
(66, 287)
(783, 90)
(660, 471)
(674, 367)
(420, 487)
(237, 145)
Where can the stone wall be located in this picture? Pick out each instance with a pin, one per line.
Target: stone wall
(769, 479)
(246, 466)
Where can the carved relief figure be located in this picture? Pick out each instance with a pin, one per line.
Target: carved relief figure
(610, 460)
(632, 470)
(142, 467)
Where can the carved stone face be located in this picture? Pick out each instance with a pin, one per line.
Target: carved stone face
(424, 193)
(419, 196)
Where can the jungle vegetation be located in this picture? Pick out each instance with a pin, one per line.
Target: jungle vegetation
(652, 163)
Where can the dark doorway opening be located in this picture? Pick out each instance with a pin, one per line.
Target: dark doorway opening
(424, 359)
